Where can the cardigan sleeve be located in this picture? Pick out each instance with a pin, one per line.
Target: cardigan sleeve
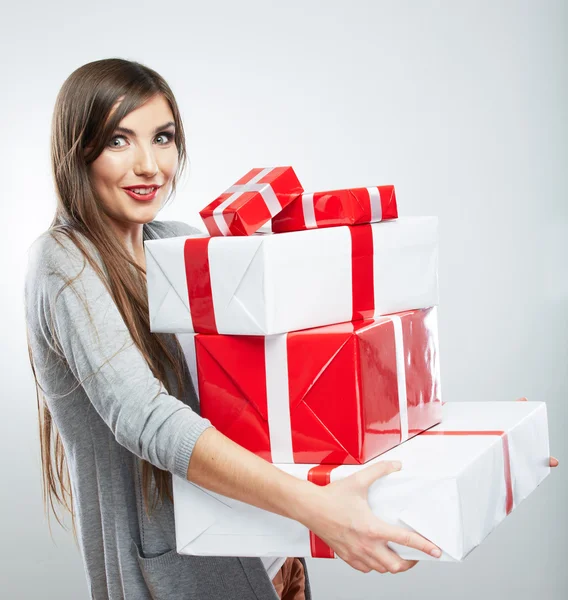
(95, 342)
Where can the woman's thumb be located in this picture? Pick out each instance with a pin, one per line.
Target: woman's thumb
(373, 472)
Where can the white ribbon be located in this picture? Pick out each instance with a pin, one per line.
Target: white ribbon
(309, 211)
(187, 343)
(376, 208)
(400, 377)
(264, 189)
(278, 397)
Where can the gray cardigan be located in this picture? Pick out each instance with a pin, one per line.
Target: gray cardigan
(100, 392)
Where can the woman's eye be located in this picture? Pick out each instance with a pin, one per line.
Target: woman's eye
(164, 134)
(116, 137)
(169, 136)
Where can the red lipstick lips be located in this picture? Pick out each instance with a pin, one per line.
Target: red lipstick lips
(145, 197)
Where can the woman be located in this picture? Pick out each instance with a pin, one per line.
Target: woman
(116, 401)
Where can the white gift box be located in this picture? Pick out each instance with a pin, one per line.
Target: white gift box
(458, 481)
(275, 283)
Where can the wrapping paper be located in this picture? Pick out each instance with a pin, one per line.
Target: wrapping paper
(337, 207)
(251, 201)
(339, 394)
(276, 283)
(458, 481)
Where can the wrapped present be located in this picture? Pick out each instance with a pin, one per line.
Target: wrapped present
(338, 207)
(458, 481)
(251, 201)
(275, 283)
(339, 394)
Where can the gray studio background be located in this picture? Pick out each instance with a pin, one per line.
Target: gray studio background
(461, 105)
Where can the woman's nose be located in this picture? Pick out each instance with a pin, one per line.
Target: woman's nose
(145, 161)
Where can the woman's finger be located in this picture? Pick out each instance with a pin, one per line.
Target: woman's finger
(392, 561)
(371, 473)
(361, 566)
(410, 539)
(376, 565)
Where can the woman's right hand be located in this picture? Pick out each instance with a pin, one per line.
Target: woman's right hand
(342, 518)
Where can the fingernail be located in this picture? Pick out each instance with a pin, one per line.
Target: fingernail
(396, 464)
(436, 553)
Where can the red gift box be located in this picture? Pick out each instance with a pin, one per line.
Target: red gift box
(338, 207)
(338, 394)
(251, 201)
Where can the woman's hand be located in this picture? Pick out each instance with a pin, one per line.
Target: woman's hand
(553, 462)
(343, 519)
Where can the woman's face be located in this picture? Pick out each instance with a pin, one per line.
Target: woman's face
(146, 155)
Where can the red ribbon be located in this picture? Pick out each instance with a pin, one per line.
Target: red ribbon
(363, 289)
(506, 458)
(198, 276)
(321, 475)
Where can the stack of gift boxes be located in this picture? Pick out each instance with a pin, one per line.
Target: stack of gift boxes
(309, 323)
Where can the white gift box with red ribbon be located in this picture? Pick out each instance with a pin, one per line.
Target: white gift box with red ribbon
(276, 283)
(458, 481)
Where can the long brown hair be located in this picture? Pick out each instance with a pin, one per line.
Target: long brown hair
(83, 118)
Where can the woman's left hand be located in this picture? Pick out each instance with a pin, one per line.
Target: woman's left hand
(553, 461)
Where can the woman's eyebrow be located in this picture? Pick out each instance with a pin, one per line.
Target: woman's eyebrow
(130, 132)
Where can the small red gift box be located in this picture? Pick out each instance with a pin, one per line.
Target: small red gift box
(338, 207)
(339, 394)
(251, 201)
